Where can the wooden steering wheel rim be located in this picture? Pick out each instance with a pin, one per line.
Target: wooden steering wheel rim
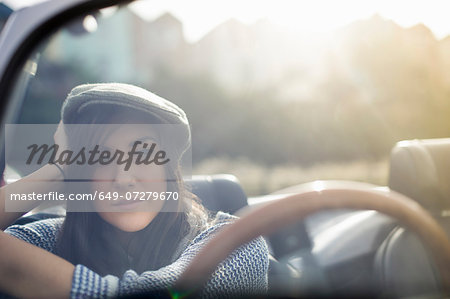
(315, 197)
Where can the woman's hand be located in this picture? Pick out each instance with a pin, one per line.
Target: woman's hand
(60, 136)
(50, 173)
(60, 139)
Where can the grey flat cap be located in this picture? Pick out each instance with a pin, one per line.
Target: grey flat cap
(82, 97)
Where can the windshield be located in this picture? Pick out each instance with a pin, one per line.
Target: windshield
(179, 116)
(274, 96)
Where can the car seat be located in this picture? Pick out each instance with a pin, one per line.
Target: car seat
(220, 192)
(420, 169)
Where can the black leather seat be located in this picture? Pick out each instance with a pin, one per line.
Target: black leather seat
(221, 192)
(404, 267)
(419, 169)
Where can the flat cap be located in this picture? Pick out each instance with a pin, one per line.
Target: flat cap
(84, 97)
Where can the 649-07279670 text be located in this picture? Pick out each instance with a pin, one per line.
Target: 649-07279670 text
(103, 196)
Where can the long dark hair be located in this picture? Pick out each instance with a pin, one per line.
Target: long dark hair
(87, 239)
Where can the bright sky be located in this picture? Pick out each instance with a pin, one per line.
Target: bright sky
(200, 16)
(314, 16)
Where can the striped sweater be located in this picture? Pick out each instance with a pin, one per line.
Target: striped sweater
(243, 272)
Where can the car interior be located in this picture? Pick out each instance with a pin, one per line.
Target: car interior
(391, 261)
(332, 253)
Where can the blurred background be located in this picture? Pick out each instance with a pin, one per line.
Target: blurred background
(278, 93)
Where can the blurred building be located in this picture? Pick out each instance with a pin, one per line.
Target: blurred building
(260, 56)
(137, 48)
(5, 11)
(159, 44)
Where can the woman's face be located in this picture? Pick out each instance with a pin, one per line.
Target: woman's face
(129, 215)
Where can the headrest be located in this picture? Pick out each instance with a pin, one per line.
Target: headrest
(220, 192)
(420, 169)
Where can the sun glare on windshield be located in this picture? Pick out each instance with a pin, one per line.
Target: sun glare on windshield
(277, 93)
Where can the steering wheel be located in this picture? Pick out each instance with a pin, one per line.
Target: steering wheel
(315, 197)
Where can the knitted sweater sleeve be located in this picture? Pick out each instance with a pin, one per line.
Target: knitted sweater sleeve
(42, 233)
(243, 272)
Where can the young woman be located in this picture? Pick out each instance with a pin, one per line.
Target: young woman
(120, 248)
